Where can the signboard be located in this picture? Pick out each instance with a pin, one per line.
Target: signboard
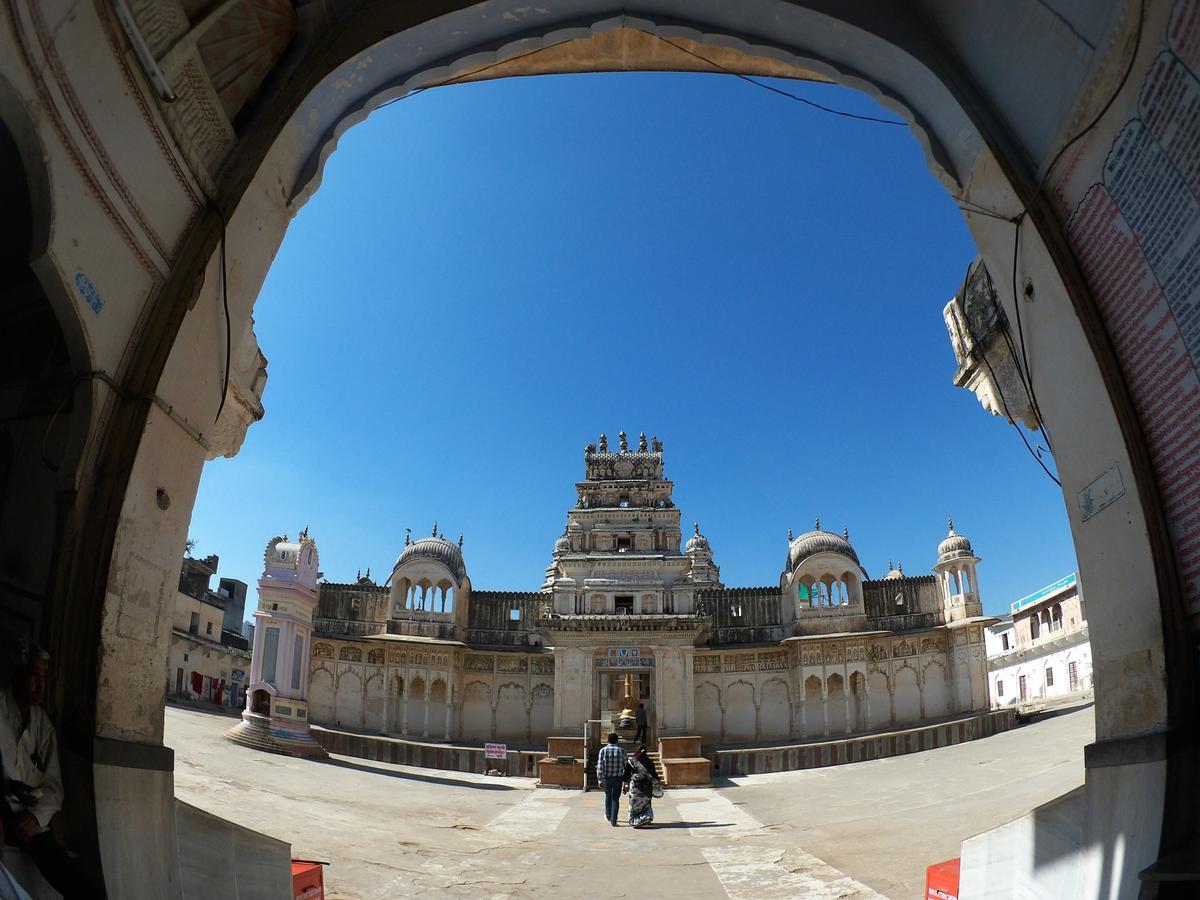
(495, 751)
(625, 658)
(239, 675)
(1045, 592)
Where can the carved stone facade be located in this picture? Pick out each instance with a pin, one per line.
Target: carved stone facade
(826, 652)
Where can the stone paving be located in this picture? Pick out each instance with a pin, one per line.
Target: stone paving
(858, 831)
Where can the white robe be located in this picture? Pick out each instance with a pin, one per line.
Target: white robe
(31, 756)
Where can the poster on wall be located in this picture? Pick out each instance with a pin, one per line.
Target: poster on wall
(1136, 234)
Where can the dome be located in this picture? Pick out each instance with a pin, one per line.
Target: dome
(563, 544)
(894, 572)
(818, 541)
(697, 542)
(437, 548)
(955, 546)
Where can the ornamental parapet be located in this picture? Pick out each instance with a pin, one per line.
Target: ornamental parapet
(618, 623)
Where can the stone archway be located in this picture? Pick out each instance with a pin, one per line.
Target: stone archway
(990, 131)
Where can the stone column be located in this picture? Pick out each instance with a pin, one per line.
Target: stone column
(825, 708)
(847, 688)
(867, 700)
(449, 708)
(921, 689)
(388, 700)
(404, 702)
(689, 669)
(891, 703)
(803, 724)
(425, 726)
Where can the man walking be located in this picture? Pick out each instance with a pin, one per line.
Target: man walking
(641, 724)
(610, 771)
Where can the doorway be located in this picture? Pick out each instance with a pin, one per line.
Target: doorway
(610, 697)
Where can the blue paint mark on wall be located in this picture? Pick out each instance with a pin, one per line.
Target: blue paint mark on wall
(91, 296)
(1045, 592)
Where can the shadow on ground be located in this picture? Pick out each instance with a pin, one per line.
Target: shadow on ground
(413, 776)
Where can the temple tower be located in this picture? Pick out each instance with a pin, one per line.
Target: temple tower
(621, 594)
(276, 713)
(955, 566)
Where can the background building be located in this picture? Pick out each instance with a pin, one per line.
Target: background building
(1040, 652)
(821, 652)
(208, 659)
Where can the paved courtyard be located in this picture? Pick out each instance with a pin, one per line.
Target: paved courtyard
(857, 831)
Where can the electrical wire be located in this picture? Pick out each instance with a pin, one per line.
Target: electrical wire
(225, 306)
(996, 381)
(774, 90)
(462, 75)
(1137, 43)
(1027, 378)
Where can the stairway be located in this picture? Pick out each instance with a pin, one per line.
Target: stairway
(629, 747)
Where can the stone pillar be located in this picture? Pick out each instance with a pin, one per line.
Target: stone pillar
(825, 708)
(921, 689)
(449, 709)
(689, 669)
(867, 699)
(388, 700)
(803, 724)
(847, 689)
(891, 703)
(757, 719)
(404, 702)
(425, 725)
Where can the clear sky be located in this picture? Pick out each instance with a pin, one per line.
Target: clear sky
(492, 274)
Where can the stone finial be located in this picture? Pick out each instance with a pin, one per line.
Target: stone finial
(603, 442)
(304, 534)
(891, 568)
(358, 574)
(817, 524)
(435, 528)
(696, 527)
(900, 567)
(407, 536)
(460, 540)
(950, 524)
(790, 536)
(368, 573)
(624, 441)
(656, 444)
(642, 442)
(846, 535)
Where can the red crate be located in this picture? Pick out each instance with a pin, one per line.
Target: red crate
(941, 880)
(308, 879)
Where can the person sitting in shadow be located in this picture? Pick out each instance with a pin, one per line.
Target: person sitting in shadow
(32, 784)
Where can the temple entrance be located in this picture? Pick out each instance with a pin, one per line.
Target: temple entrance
(610, 692)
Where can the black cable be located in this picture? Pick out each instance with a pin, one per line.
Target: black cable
(1027, 378)
(225, 305)
(1137, 43)
(780, 91)
(982, 351)
(458, 78)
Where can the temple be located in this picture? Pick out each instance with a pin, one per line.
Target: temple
(824, 651)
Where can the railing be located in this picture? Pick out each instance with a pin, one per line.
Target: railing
(907, 622)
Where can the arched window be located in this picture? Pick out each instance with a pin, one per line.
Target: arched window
(952, 583)
(802, 593)
(966, 582)
(1034, 629)
(450, 599)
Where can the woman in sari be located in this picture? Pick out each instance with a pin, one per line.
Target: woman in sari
(642, 781)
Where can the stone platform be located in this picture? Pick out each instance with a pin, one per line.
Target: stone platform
(552, 773)
(273, 735)
(452, 758)
(859, 748)
(682, 763)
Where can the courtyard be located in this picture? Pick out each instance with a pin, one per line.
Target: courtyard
(856, 831)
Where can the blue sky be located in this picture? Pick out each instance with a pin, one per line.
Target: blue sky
(492, 274)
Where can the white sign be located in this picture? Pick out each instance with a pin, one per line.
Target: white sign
(495, 751)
